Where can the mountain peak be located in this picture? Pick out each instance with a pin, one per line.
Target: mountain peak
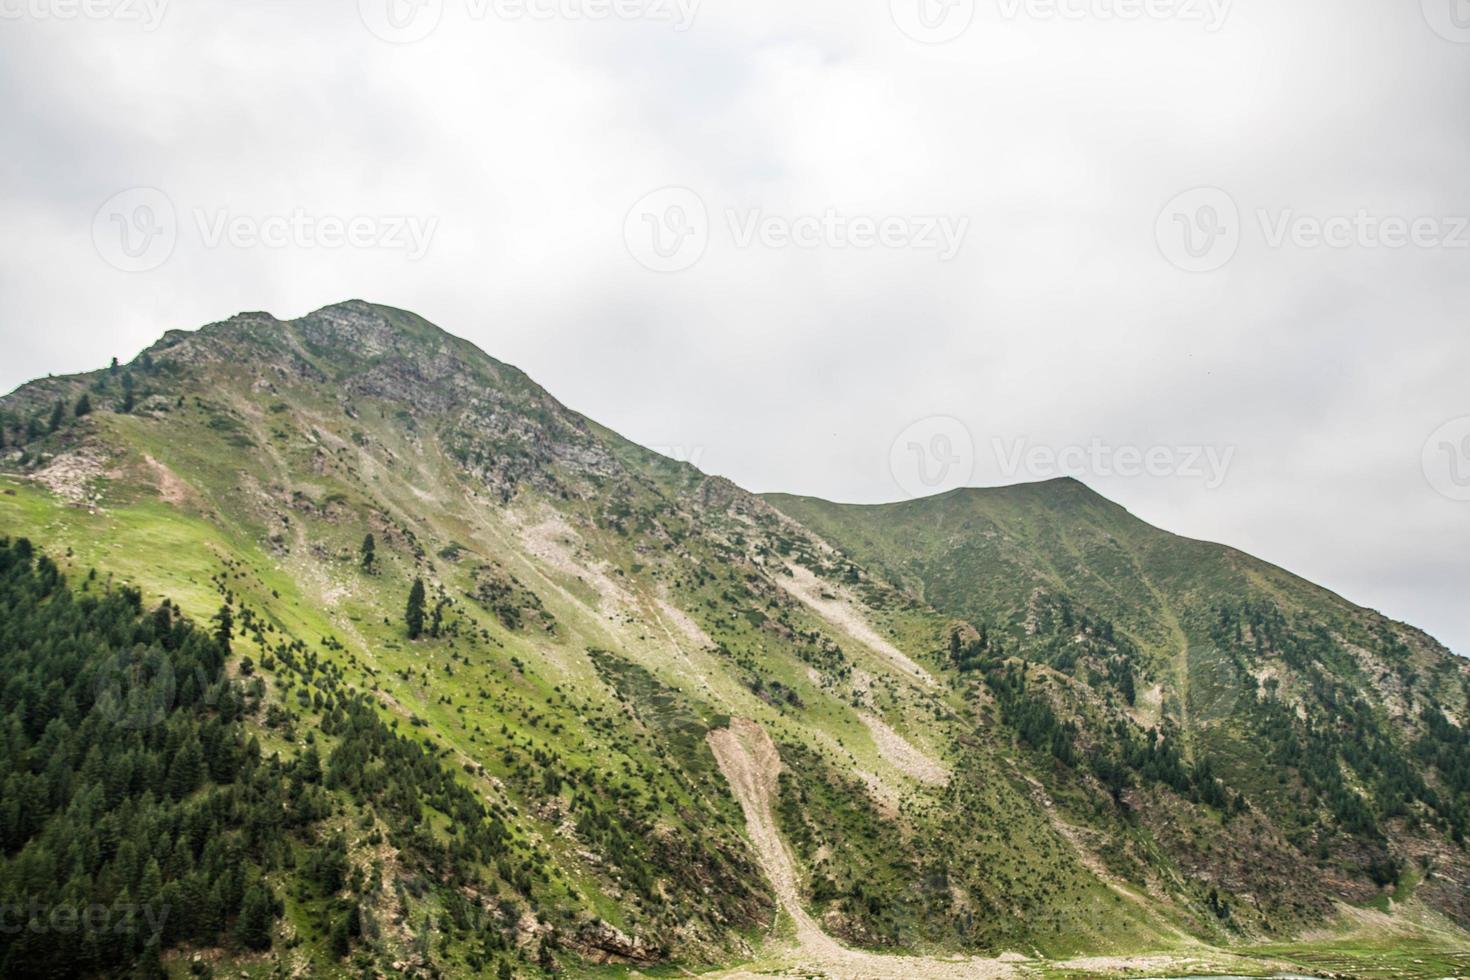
(1027, 668)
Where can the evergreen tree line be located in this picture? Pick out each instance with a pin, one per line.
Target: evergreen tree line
(1342, 734)
(1063, 638)
(135, 815)
(1128, 757)
(138, 814)
(116, 388)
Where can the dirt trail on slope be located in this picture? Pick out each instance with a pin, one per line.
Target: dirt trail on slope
(171, 489)
(751, 764)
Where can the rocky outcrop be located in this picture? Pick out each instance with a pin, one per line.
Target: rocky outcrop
(599, 942)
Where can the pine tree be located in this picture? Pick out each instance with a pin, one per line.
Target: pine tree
(187, 769)
(414, 617)
(84, 406)
(128, 398)
(224, 628)
(257, 913)
(149, 966)
(369, 554)
(152, 884)
(309, 766)
(340, 941)
(58, 416)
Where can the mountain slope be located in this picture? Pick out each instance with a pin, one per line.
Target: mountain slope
(1256, 671)
(945, 684)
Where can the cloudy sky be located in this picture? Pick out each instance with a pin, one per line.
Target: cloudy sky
(1210, 256)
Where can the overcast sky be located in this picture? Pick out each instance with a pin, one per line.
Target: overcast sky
(1203, 255)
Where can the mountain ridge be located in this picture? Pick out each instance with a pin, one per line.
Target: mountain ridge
(403, 323)
(1071, 483)
(992, 711)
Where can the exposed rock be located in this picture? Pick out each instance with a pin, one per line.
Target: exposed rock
(603, 943)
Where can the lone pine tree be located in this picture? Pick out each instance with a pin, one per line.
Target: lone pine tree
(414, 617)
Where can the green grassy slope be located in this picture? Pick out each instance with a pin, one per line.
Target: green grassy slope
(1325, 717)
(595, 610)
(974, 553)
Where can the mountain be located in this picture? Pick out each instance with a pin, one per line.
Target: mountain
(411, 669)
